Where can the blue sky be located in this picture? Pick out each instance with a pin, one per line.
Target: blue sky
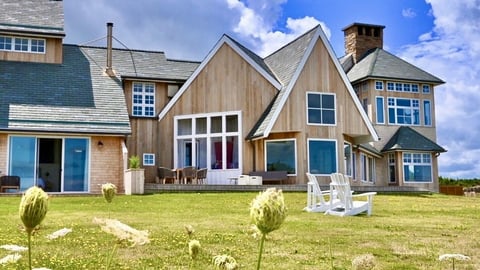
(442, 37)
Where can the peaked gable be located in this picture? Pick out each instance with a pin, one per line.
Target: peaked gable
(302, 48)
(250, 57)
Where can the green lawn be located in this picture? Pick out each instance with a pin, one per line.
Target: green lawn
(404, 232)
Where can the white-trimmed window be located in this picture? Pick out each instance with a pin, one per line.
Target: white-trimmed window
(380, 110)
(367, 168)
(22, 44)
(391, 168)
(320, 109)
(425, 88)
(208, 140)
(427, 113)
(281, 155)
(322, 156)
(347, 150)
(390, 86)
(415, 88)
(148, 159)
(403, 111)
(379, 85)
(143, 99)
(417, 167)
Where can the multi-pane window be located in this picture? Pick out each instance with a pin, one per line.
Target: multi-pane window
(21, 44)
(367, 168)
(425, 88)
(322, 156)
(427, 113)
(320, 109)
(148, 159)
(402, 87)
(143, 99)
(378, 85)
(281, 155)
(403, 111)
(380, 111)
(417, 167)
(347, 148)
(391, 168)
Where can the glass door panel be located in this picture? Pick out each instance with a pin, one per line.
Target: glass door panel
(75, 177)
(22, 160)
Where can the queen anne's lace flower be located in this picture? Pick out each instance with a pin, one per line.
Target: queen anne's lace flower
(33, 208)
(268, 210)
(59, 233)
(459, 257)
(109, 190)
(194, 248)
(225, 262)
(123, 231)
(363, 262)
(10, 258)
(13, 248)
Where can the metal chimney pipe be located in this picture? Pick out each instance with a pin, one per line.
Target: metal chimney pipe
(109, 69)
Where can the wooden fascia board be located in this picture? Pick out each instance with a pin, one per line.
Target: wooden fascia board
(211, 54)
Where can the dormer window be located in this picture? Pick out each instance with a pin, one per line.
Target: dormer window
(22, 44)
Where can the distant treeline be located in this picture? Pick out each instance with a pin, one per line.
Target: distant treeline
(459, 182)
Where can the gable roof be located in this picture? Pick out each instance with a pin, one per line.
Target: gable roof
(281, 69)
(378, 63)
(250, 57)
(406, 138)
(141, 64)
(41, 17)
(73, 97)
(287, 63)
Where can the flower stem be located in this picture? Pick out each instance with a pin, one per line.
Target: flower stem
(261, 250)
(29, 236)
(110, 257)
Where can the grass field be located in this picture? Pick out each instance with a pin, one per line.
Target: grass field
(404, 232)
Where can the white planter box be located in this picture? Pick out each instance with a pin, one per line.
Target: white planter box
(134, 181)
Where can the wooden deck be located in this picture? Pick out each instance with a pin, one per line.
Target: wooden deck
(162, 188)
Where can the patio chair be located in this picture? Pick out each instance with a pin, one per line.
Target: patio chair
(318, 200)
(165, 174)
(189, 174)
(9, 182)
(348, 206)
(201, 176)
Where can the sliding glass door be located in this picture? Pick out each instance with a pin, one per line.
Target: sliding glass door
(61, 163)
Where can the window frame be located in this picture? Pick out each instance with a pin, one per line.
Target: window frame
(427, 113)
(144, 98)
(377, 98)
(426, 89)
(321, 109)
(414, 161)
(146, 158)
(414, 111)
(379, 85)
(309, 151)
(14, 43)
(294, 150)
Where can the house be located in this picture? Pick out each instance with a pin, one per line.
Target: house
(73, 114)
(62, 117)
(400, 102)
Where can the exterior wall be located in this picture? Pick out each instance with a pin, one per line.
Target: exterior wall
(318, 75)
(53, 53)
(226, 83)
(145, 136)
(367, 94)
(106, 163)
(3, 153)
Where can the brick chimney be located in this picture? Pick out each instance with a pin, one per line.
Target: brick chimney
(109, 69)
(360, 37)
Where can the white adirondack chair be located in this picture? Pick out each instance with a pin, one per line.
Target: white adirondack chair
(348, 206)
(318, 200)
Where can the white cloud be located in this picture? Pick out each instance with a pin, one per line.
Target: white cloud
(409, 13)
(260, 34)
(451, 51)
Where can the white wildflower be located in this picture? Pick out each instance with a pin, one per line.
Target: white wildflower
(225, 262)
(10, 258)
(14, 248)
(59, 233)
(123, 231)
(459, 257)
(364, 262)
